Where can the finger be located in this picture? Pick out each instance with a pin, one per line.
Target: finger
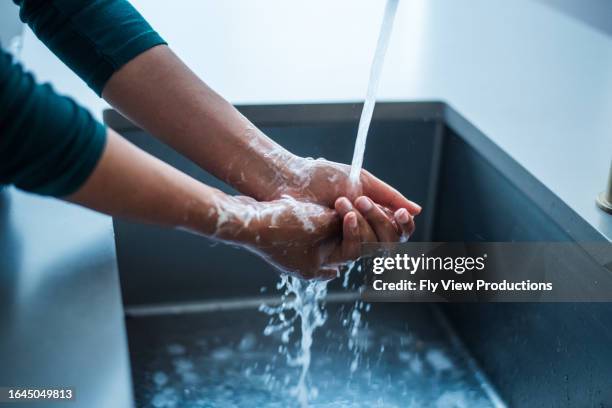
(350, 248)
(351, 241)
(405, 222)
(391, 216)
(344, 206)
(386, 195)
(366, 232)
(380, 223)
(387, 211)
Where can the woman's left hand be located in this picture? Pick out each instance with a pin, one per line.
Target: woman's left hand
(389, 214)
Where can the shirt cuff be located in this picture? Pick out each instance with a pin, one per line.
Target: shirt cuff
(130, 50)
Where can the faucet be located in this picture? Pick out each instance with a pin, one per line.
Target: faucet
(604, 200)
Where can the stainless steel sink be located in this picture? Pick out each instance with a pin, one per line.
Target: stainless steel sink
(520, 354)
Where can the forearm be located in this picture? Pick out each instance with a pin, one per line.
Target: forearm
(127, 182)
(159, 93)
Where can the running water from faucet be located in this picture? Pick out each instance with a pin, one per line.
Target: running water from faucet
(355, 323)
(303, 302)
(370, 100)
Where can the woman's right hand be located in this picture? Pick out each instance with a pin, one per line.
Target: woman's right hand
(299, 238)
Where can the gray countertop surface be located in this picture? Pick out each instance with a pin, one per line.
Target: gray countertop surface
(61, 318)
(534, 80)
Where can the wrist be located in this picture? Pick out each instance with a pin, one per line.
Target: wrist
(293, 175)
(261, 169)
(228, 218)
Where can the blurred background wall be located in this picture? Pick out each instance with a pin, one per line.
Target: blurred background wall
(251, 50)
(283, 50)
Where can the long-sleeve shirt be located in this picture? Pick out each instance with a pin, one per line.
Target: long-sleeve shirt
(48, 143)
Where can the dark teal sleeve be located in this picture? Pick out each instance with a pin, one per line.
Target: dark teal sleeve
(94, 38)
(48, 144)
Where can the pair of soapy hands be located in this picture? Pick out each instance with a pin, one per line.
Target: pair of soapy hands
(313, 222)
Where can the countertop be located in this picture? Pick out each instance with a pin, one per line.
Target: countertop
(61, 318)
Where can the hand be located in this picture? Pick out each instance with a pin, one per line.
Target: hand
(323, 181)
(377, 223)
(300, 238)
(388, 213)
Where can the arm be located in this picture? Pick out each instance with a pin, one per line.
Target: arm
(161, 94)
(49, 145)
(114, 49)
(128, 182)
(99, 38)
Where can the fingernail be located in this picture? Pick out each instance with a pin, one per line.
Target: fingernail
(418, 207)
(364, 204)
(352, 221)
(402, 216)
(345, 203)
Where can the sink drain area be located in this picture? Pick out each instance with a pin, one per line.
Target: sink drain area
(222, 359)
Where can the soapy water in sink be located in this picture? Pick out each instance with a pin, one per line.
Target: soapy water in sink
(223, 360)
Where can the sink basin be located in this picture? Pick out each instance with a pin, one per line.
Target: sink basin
(182, 294)
(198, 360)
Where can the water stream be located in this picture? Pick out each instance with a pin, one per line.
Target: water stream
(303, 302)
(370, 100)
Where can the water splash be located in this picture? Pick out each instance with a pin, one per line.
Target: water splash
(302, 302)
(370, 100)
(357, 326)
